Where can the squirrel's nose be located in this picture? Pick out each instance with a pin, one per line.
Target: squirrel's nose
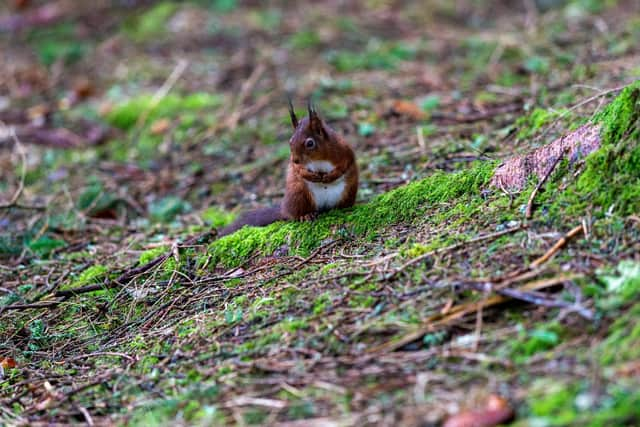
(296, 160)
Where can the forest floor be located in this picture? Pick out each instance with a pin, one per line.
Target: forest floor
(130, 131)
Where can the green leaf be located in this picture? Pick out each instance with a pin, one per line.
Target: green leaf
(217, 217)
(431, 102)
(366, 129)
(165, 210)
(537, 64)
(45, 245)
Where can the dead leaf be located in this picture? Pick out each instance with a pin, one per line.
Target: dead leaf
(630, 369)
(160, 126)
(496, 412)
(8, 363)
(407, 108)
(20, 4)
(38, 114)
(447, 307)
(82, 87)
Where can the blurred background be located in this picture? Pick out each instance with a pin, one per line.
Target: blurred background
(143, 117)
(127, 126)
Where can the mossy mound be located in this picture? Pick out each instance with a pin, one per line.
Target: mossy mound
(400, 205)
(611, 178)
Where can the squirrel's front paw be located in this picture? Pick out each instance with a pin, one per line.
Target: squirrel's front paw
(308, 217)
(318, 176)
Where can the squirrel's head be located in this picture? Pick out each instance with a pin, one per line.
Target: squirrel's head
(312, 139)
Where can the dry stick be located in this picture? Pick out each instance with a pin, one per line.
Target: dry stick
(529, 211)
(533, 298)
(120, 281)
(101, 353)
(23, 172)
(433, 323)
(580, 104)
(245, 90)
(160, 94)
(28, 306)
(86, 415)
(555, 248)
(451, 248)
(530, 297)
(532, 270)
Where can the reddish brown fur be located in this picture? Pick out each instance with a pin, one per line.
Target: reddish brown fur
(298, 203)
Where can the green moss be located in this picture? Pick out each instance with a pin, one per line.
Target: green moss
(193, 406)
(292, 325)
(611, 179)
(45, 245)
(321, 303)
(558, 404)
(621, 115)
(168, 266)
(361, 301)
(304, 39)
(151, 254)
(622, 285)
(217, 217)
(151, 23)
(376, 55)
(416, 249)
(255, 416)
(125, 115)
(260, 343)
(90, 275)
(58, 43)
(623, 341)
(402, 204)
(529, 125)
(542, 338)
(555, 403)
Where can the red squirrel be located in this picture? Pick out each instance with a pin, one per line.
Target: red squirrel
(322, 174)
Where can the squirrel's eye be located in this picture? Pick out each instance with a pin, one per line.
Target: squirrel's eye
(310, 143)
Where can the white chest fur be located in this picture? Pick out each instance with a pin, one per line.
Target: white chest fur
(325, 196)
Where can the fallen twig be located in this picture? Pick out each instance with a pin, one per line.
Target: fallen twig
(555, 248)
(45, 304)
(529, 210)
(246, 89)
(23, 170)
(530, 297)
(101, 353)
(437, 321)
(62, 137)
(122, 280)
(162, 92)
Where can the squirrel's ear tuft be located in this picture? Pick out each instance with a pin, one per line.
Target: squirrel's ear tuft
(315, 122)
(292, 114)
(313, 114)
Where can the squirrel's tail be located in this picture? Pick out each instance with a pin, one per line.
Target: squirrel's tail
(257, 218)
